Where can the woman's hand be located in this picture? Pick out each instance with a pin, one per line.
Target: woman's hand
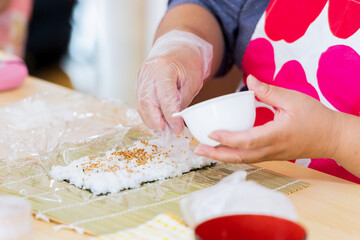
(302, 128)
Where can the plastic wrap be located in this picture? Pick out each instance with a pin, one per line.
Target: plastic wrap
(42, 125)
(233, 195)
(44, 130)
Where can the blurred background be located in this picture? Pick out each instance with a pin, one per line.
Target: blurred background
(93, 46)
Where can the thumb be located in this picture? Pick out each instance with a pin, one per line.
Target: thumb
(269, 94)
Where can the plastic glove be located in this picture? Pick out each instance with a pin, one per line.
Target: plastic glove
(170, 78)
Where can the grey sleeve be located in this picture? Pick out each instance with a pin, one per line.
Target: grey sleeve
(227, 13)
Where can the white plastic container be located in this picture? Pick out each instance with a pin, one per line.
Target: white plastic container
(15, 218)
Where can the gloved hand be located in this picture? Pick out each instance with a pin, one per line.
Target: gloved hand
(170, 78)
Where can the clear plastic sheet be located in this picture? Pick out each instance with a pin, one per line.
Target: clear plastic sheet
(44, 130)
(44, 124)
(60, 129)
(234, 195)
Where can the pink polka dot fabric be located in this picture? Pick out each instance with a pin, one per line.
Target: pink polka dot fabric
(312, 47)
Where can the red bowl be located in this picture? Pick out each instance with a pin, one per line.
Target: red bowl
(249, 227)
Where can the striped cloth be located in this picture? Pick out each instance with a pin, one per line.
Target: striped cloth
(162, 227)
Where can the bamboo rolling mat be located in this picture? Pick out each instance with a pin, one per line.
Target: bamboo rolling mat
(67, 204)
(100, 126)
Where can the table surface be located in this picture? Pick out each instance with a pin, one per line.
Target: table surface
(329, 208)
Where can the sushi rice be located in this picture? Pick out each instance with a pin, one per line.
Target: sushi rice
(145, 161)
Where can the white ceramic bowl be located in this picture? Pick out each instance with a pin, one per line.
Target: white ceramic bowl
(232, 112)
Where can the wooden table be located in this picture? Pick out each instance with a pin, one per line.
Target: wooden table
(329, 208)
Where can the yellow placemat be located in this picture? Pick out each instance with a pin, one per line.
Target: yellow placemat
(162, 227)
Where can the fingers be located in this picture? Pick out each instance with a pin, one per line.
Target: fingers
(158, 97)
(147, 104)
(154, 121)
(254, 138)
(269, 94)
(255, 145)
(169, 98)
(219, 153)
(230, 155)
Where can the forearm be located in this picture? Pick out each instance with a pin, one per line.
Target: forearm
(195, 19)
(347, 152)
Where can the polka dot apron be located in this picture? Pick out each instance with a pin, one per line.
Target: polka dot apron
(312, 47)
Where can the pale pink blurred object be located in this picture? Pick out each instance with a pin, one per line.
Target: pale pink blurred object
(13, 72)
(13, 26)
(15, 218)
